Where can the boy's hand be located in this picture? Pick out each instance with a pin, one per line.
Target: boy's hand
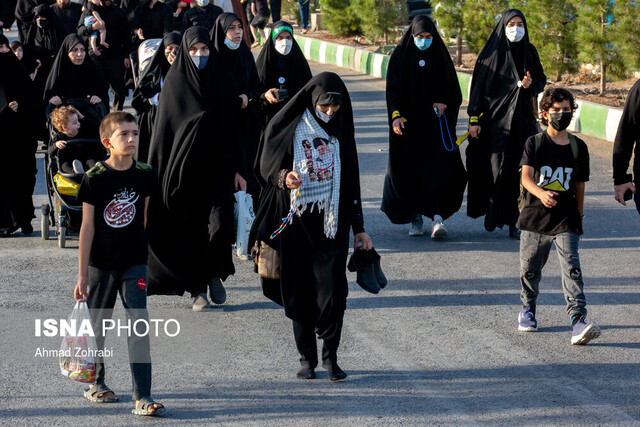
(474, 131)
(547, 198)
(94, 99)
(61, 145)
(621, 189)
(80, 292)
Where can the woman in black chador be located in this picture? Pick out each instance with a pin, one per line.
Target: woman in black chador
(226, 37)
(193, 148)
(18, 105)
(147, 93)
(313, 247)
(425, 174)
(281, 65)
(506, 79)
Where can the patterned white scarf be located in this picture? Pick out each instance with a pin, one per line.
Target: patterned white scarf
(316, 158)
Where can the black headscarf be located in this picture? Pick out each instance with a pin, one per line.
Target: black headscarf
(272, 66)
(508, 120)
(15, 84)
(70, 81)
(422, 176)
(192, 148)
(242, 67)
(50, 38)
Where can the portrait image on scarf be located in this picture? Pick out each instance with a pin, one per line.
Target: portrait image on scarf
(313, 248)
(242, 67)
(194, 150)
(422, 177)
(70, 81)
(146, 94)
(17, 158)
(508, 119)
(273, 68)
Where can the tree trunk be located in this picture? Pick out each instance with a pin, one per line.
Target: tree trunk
(603, 78)
(459, 47)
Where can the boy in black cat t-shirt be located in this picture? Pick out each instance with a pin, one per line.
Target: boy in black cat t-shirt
(113, 252)
(555, 167)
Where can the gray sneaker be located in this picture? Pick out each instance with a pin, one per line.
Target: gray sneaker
(584, 332)
(438, 231)
(201, 303)
(416, 226)
(77, 166)
(217, 291)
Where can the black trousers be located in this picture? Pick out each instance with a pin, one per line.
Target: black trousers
(113, 73)
(306, 342)
(276, 6)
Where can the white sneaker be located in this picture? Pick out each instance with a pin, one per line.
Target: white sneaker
(77, 166)
(416, 226)
(438, 231)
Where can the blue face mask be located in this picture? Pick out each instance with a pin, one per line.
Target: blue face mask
(200, 61)
(422, 44)
(231, 45)
(323, 116)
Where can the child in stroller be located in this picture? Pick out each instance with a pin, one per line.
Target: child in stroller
(71, 158)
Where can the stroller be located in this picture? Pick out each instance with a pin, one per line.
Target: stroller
(64, 212)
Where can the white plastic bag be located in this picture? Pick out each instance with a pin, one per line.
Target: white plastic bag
(79, 347)
(244, 221)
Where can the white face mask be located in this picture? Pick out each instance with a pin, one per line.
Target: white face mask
(323, 116)
(231, 45)
(202, 3)
(514, 34)
(283, 46)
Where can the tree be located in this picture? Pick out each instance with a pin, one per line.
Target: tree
(378, 18)
(596, 39)
(552, 25)
(626, 32)
(340, 17)
(449, 15)
(480, 18)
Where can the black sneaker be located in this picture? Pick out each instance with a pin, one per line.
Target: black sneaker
(217, 291)
(584, 332)
(334, 371)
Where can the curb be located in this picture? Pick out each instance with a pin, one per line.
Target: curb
(597, 120)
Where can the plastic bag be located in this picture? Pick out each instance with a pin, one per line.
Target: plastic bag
(244, 221)
(65, 186)
(77, 353)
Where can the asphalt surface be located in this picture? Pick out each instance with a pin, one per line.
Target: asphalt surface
(439, 345)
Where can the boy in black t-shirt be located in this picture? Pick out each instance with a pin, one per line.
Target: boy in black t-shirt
(113, 252)
(555, 167)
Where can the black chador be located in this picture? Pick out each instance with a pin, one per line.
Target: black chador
(290, 72)
(425, 174)
(242, 67)
(313, 255)
(190, 226)
(146, 94)
(17, 157)
(507, 121)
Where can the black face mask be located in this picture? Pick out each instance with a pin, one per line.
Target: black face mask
(42, 23)
(560, 121)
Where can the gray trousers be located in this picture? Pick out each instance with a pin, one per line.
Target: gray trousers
(104, 286)
(534, 252)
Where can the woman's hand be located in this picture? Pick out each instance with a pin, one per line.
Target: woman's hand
(526, 82)
(14, 106)
(270, 95)
(55, 100)
(398, 125)
(239, 183)
(363, 240)
(245, 101)
(441, 108)
(293, 180)
(94, 99)
(474, 131)
(61, 145)
(140, 34)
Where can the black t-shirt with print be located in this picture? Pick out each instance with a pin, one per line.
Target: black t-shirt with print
(555, 169)
(120, 240)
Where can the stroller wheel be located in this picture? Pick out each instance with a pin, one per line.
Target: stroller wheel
(44, 221)
(62, 236)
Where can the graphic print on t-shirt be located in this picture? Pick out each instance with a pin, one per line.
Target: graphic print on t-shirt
(555, 180)
(121, 211)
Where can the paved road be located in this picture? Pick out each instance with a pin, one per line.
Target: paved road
(438, 346)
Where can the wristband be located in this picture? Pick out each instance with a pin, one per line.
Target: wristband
(474, 120)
